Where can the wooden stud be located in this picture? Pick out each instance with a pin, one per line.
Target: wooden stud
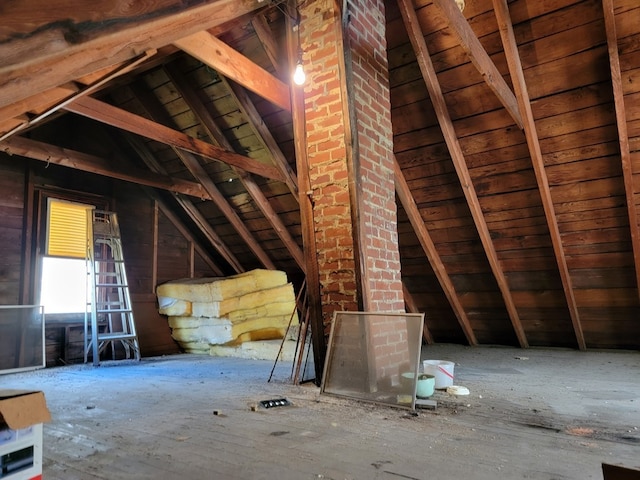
(195, 245)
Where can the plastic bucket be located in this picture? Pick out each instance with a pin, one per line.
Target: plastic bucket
(425, 386)
(442, 370)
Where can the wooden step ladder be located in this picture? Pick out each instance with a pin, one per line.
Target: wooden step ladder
(108, 319)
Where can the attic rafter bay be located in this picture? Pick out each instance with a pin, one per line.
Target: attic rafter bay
(116, 117)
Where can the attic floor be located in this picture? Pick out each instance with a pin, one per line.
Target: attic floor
(534, 414)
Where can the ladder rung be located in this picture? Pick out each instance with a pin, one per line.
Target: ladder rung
(114, 285)
(116, 336)
(115, 310)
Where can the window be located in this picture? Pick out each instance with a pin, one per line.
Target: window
(64, 278)
(67, 229)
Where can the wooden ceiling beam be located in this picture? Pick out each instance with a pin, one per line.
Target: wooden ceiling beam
(479, 57)
(437, 98)
(623, 134)
(215, 134)
(58, 50)
(417, 222)
(65, 157)
(116, 117)
(155, 111)
(231, 63)
(524, 104)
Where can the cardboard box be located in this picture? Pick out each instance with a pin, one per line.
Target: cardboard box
(21, 416)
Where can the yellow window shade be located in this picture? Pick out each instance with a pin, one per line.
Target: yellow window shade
(67, 229)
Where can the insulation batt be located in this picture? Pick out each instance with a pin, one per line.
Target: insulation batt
(251, 306)
(217, 289)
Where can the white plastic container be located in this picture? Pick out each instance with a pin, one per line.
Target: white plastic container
(442, 370)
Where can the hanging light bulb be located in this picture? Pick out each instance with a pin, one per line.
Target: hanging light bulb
(298, 76)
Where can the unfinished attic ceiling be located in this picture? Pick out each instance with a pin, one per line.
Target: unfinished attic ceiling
(532, 227)
(517, 200)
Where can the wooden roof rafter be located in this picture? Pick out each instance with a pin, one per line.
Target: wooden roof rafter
(265, 35)
(154, 110)
(412, 307)
(186, 204)
(230, 63)
(215, 134)
(74, 94)
(517, 75)
(99, 44)
(160, 205)
(16, 116)
(437, 98)
(623, 135)
(225, 60)
(480, 58)
(408, 202)
(56, 97)
(263, 134)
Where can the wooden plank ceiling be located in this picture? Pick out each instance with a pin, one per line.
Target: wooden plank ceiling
(516, 133)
